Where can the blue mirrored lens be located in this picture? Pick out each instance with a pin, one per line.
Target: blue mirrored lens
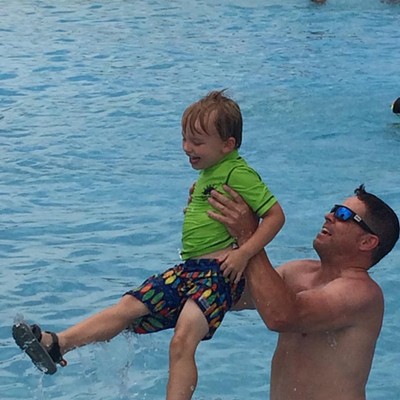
(343, 213)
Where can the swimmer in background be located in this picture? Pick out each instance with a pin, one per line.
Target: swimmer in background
(194, 296)
(396, 106)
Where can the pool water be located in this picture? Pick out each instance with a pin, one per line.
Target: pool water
(93, 180)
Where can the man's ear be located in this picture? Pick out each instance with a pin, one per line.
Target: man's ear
(369, 242)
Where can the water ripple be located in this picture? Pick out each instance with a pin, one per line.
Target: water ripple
(93, 179)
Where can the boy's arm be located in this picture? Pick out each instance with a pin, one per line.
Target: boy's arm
(272, 222)
(235, 262)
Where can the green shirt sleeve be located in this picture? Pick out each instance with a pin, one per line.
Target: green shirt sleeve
(250, 186)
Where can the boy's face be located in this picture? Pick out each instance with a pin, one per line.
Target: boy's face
(205, 148)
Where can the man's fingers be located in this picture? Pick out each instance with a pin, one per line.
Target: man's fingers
(235, 196)
(238, 277)
(219, 197)
(218, 217)
(222, 203)
(218, 204)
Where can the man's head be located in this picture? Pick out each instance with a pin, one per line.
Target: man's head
(363, 228)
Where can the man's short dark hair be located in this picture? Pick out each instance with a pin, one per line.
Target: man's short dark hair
(382, 220)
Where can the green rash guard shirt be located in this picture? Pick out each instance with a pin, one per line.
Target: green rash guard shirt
(200, 233)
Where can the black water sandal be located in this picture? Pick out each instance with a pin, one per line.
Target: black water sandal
(28, 338)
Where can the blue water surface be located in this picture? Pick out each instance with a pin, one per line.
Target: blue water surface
(93, 180)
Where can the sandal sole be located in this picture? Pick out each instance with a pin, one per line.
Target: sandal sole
(26, 340)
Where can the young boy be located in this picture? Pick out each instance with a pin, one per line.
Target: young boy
(194, 296)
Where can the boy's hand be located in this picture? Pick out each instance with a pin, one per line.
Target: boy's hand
(233, 265)
(191, 190)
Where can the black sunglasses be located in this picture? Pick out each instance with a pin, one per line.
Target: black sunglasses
(343, 213)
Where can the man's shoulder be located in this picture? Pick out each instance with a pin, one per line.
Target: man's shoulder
(298, 271)
(297, 266)
(364, 287)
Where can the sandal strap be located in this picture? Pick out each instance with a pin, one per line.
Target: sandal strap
(55, 351)
(36, 331)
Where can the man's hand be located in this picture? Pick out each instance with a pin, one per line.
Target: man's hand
(234, 213)
(191, 190)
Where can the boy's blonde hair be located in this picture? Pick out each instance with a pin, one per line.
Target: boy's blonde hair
(226, 114)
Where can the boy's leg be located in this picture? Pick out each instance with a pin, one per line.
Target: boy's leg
(100, 327)
(190, 329)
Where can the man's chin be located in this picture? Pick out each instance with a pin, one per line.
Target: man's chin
(316, 245)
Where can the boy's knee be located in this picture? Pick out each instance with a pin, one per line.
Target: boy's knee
(181, 345)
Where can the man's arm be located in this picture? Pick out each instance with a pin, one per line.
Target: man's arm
(340, 303)
(270, 295)
(245, 302)
(272, 222)
(328, 306)
(272, 298)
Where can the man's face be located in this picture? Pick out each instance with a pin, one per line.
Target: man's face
(341, 236)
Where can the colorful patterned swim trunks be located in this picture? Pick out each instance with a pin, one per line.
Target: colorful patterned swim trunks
(165, 295)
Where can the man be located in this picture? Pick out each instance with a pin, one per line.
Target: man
(329, 312)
